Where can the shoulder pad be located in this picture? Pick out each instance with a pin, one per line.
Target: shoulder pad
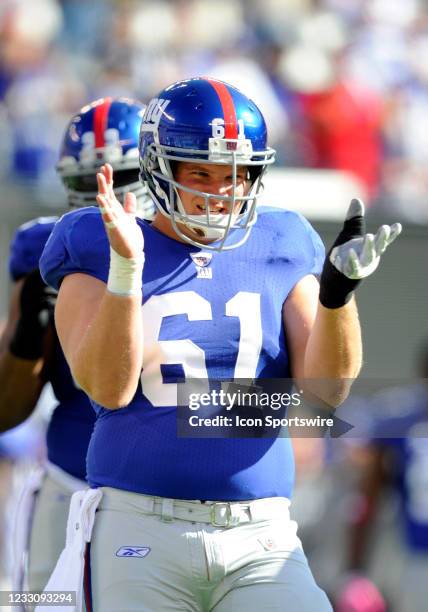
(27, 246)
(78, 243)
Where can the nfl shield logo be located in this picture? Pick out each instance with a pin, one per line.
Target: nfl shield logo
(202, 261)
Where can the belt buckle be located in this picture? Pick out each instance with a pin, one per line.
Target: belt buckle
(227, 519)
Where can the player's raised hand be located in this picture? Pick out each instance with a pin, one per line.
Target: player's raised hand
(124, 234)
(359, 257)
(353, 256)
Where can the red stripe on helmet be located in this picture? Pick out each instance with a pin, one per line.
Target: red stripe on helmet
(100, 122)
(228, 107)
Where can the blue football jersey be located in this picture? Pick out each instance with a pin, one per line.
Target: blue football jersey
(72, 421)
(27, 245)
(215, 315)
(401, 426)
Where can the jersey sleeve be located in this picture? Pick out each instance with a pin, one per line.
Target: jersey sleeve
(293, 240)
(314, 250)
(27, 246)
(78, 243)
(290, 247)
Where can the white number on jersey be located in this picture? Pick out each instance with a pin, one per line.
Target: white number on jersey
(244, 305)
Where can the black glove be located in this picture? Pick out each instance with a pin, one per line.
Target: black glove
(353, 256)
(37, 302)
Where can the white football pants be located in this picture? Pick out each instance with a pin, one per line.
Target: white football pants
(153, 554)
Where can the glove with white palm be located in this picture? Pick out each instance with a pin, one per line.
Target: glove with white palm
(353, 256)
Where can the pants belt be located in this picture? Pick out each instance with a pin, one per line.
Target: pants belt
(216, 513)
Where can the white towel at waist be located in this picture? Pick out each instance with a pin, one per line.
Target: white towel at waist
(68, 572)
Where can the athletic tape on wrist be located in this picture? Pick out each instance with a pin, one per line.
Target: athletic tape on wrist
(125, 274)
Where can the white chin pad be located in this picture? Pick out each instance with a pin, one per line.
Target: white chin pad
(218, 225)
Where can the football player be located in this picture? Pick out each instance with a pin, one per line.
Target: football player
(106, 130)
(396, 455)
(213, 289)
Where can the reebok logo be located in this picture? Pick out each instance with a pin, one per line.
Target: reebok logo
(133, 551)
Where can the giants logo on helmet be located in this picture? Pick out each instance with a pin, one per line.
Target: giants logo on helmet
(153, 114)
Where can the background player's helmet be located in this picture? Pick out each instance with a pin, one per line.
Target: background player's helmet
(106, 130)
(204, 120)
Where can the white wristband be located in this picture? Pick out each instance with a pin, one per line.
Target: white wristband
(125, 275)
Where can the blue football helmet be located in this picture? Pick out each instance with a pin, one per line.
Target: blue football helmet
(106, 130)
(207, 121)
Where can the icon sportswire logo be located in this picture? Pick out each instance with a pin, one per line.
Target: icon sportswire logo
(133, 551)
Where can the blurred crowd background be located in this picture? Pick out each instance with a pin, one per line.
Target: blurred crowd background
(343, 85)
